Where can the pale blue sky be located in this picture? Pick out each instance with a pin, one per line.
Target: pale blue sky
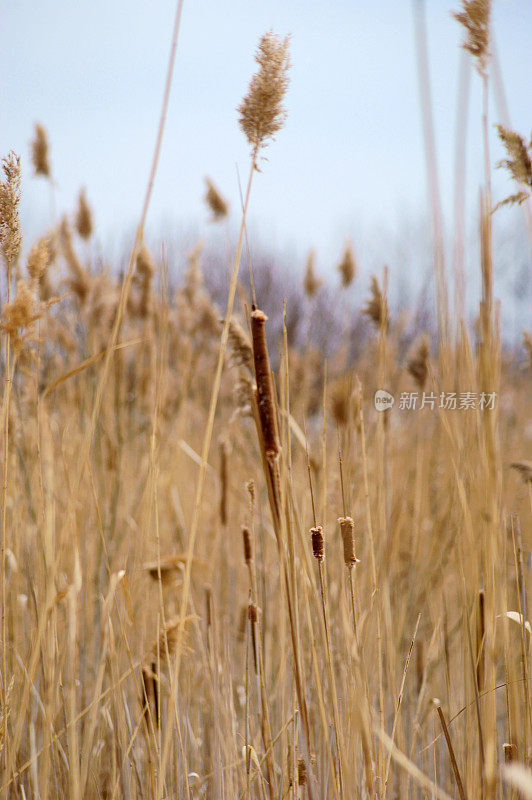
(349, 160)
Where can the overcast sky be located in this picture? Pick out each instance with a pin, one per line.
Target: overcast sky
(350, 158)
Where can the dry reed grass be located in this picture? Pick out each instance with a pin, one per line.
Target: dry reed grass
(143, 657)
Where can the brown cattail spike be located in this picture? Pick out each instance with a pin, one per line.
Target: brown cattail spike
(263, 379)
(248, 549)
(510, 752)
(301, 772)
(318, 549)
(347, 529)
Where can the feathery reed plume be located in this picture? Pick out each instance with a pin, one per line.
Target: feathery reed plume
(40, 152)
(217, 204)
(318, 549)
(347, 266)
(527, 343)
(475, 18)
(262, 113)
(83, 221)
(418, 363)
(19, 315)
(518, 164)
(193, 274)
(79, 281)
(39, 259)
(263, 379)
(347, 529)
(376, 307)
(311, 282)
(241, 350)
(248, 549)
(10, 235)
(524, 468)
(144, 270)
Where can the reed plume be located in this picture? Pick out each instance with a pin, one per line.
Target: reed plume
(79, 280)
(217, 204)
(10, 234)
(311, 282)
(40, 152)
(347, 266)
(376, 307)
(83, 221)
(418, 363)
(518, 164)
(240, 346)
(475, 18)
(261, 111)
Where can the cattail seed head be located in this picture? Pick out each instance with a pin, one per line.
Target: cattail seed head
(418, 366)
(311, 282)
(261, 111)
(318, 548)
(84, 224)
(347, 529)
(248, 549)
(301, 772)
(218, 206)
(40, 155)
(475, 18)
(263, 379)
(10, 235)
(347, 266)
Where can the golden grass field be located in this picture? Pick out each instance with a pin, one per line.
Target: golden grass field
(221, 581)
